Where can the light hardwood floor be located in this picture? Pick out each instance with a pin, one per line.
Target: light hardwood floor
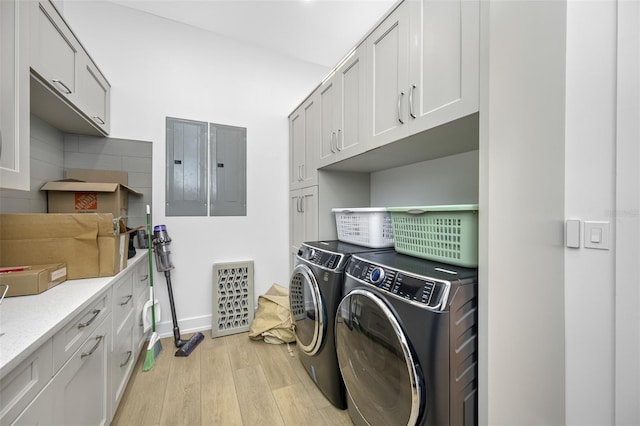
(229, 380)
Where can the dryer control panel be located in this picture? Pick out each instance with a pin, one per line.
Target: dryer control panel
(423, 290)
(320, 257)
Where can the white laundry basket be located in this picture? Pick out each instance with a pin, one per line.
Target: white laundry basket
(365, 226)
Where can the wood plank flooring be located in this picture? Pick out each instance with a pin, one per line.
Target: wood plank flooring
(230, 380)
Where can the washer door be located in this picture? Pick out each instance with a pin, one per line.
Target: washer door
(376, 361)
(307, 309)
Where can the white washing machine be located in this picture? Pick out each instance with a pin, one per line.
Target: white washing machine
(407, 341)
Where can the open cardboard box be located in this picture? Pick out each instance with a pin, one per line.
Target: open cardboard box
(91, 244)
(90, 191)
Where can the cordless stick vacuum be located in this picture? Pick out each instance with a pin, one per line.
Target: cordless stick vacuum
(161, 241)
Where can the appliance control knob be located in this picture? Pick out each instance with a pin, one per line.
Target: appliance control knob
(311, 253)
(377, 275)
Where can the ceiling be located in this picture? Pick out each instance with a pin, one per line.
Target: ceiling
(316, 31)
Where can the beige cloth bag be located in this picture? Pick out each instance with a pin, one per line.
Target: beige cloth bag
(273, 321)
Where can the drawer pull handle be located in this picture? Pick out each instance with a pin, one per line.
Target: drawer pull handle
(400, 120)
(95, 313)
(144, 278)
(129, 353)
(413, 87)
(93, 349)
(98, 119)
(127, 299)
(60, 83)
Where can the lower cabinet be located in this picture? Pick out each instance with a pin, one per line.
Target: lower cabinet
(40, 411)
(130, 294)
(140, 296)
(77, 394)
(80, 388)
(303, 218)
(122, 362)
(79, 375)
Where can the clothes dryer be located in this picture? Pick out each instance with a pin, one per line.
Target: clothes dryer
(315, 290)
(407, 341)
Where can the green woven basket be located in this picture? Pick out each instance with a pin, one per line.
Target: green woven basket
(447, 234)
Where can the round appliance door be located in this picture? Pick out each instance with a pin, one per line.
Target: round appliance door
(383, 383)
(307, 309)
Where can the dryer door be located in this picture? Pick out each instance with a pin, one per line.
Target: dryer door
(307, 309)
(383, 383)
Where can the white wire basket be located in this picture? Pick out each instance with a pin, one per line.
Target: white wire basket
(364, 226)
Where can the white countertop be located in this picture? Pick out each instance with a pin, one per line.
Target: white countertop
(28, 321)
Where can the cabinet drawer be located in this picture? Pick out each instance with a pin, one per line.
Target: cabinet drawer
(141, 281)
(122, 301)
(69, 339)
(21, 386)
(122, 360)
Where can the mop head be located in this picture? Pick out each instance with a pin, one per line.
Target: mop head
(153, 350)
(190, 345)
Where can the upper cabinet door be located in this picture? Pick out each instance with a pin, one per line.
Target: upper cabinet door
(444, 62)
(68, 90)
(55, 51)
(329, 95)
(388, 59)
(14, 99)
(304, 142)
(423, 64)
(94, 94)
(343, 109)
(352, 104)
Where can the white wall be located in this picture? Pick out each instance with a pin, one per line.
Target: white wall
(160, 68)
(521, 294)
(447, 180)
(590, 149)
(627, 242)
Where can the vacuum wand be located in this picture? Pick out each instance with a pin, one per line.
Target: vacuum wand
(161, 243)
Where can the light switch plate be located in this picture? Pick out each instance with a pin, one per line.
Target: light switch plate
(597, 235)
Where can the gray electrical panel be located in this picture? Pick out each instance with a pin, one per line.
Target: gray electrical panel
(187, 145)
(228, 190)
(206, 169)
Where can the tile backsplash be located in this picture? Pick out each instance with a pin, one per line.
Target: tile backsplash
(52, 151)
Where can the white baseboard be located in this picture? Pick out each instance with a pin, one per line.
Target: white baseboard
(187, 325)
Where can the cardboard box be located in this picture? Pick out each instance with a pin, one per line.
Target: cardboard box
(105, 176)
(33, 279)
(89, 243)
(74, 196)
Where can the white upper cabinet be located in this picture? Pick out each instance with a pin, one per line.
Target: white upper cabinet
(94, 94)
(343, 100)
(423, 64)
(444, 62)
(14, 99)
(68, 89)
(304, 141)
(55, 52)
(388, 78)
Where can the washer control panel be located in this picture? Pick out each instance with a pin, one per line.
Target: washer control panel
(415, 288)
(320, 257)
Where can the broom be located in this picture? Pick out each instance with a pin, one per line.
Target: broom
(155, 345)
